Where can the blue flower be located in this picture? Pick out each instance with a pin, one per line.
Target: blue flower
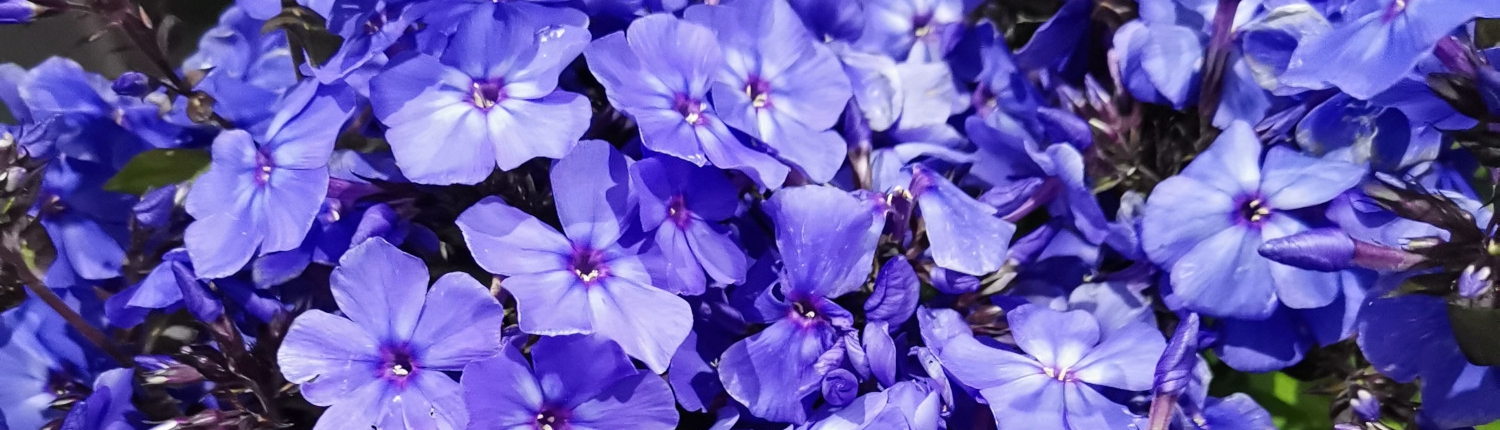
(780, 86)
(659, 72)
(1050, 383)
(261, 193)
(582, 280)
(571, 382)
(1205, 226)
(685, 205)
(382, 363)
(826, 239)
(1393, 36)
(492, 97)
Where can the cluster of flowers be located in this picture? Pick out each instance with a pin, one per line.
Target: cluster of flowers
(823, 214)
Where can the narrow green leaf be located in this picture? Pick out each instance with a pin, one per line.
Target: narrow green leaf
(158, 168)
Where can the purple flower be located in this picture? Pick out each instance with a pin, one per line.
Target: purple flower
(262, 193)
(108, 407)
(1206, 224)
(245, 70)
(1393, 36)
(779, 85)
(826, 238)
(571, 382)
(582, 280)
(1409, 337)
(383, 365)
(659, 72)
(914, 30)
(1050, 382)
(906, 405)
(685, 205)
(44, 365)
(490, 100)
(88, 225)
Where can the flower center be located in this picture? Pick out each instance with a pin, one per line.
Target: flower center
(1254, 211)
(759, 92)
(922, 25)
(397, 362)
(550, 420)
(1062, 375)
(588, 265)
(690, 108)
(805, 309)
(487, 93)
(678, 212)
(375, 23)
(264, 168)
(1393, 10)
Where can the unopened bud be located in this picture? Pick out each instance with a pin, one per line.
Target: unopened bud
(1365, 405)
(18, 11)
(162, 370)
(132, 84)
(1473, 281)
(1455, 56)
(1326, 250)
(200, 107)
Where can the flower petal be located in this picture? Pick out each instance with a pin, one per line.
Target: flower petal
(381, 288)
(550, 303)
(546, 127)
(330, 356)
(460, 323)
(566, 381)
(501, 392)
(647, 322)
(509, 242)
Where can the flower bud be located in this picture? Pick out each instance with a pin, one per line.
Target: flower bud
(1456, 57)
(132, 84)
(1473, 281)
(840, 387)
(18, 11)
(1365, 405)
(163, 370)
(1325, 249)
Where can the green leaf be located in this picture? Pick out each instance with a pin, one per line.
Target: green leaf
(1486, 32)
(1288, 400)
(1475, 330)
(158, 168)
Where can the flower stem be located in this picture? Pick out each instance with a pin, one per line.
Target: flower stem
(1216, 61)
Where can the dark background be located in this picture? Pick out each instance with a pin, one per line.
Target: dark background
(67, 35)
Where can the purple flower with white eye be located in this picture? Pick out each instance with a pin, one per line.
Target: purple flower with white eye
(827, 239)
(685, 205)
(659, 71)
(1206, 224)
(914, 30)
(382, 363)
(261, 193)
(491, 99)
(1050, 382)
(582, 280)
(779, 85)
(1393, 35)
(574, 381)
